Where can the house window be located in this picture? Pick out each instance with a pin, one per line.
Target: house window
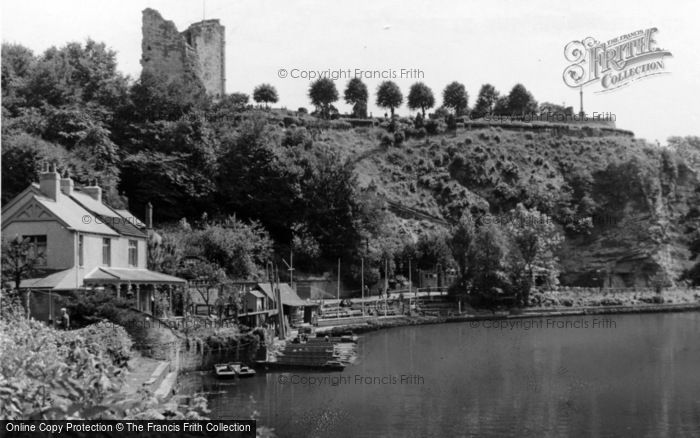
(37, 249)
(81, 248)
(133, 253)
(106, 251)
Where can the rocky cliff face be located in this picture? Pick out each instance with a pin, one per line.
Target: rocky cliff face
(627, 208)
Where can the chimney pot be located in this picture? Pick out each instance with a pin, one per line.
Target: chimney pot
(94, 191)
(67, 186)
(149, 216)
(49, 183)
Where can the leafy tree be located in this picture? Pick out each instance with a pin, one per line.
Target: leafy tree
(265, 93)
(455, 96)
(420, 97)
(225, 111)
(389, 96)
(22, 158)
(433, 249)
(331, 205)
(155, 97)
(76, 73)
(19, 259)
(203, 276)
(250, 163)
(461, 241)
(356, 94)
(485, 102)
(501, 107)
(236, 247)
(323, 93)
(534, 239)
(556, 112)
(171, 165)
(164, 253)
(488, 261)
(520, 101)
(17, 66)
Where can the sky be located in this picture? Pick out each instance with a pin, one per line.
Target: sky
(499, 42)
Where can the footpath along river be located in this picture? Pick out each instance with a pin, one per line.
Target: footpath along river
(612, 375)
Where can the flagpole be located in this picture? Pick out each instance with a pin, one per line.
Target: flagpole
(338, 289)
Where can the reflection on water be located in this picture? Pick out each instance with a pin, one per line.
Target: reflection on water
(635, 377)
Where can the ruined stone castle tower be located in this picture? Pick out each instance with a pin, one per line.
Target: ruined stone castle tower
(197, 54)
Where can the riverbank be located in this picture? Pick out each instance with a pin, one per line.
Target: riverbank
(529, 313)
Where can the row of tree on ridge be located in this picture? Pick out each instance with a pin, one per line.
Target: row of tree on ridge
(323, 93)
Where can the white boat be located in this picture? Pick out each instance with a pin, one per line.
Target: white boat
(227, 370)
(246, 371)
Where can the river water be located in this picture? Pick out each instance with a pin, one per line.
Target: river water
(615, 375)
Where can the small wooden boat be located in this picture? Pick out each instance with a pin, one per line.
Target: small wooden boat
(334, 365)
(227, 370)
(349, 338)
(246, 371)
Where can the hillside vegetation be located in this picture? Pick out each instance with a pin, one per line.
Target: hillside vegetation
(236, 186)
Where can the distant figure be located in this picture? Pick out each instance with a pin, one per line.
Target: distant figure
(219, 306)
(232, 307)
(65, 319)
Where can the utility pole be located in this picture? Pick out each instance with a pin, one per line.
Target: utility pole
(338, 290)
(362, 276)
(410, 285)
(280, 308)
(386, 283)
(290, 268)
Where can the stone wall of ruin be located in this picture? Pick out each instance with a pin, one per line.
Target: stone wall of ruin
(196, 55)
(208, 40)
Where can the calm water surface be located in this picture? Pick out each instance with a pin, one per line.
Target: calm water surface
(631, 375)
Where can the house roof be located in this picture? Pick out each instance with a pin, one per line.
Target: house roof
(126, 214)
(287, 294)
(79, 212)
(73, 215)
(130, 275)
(118, 222)
(256, 293)
(62, 280)
(69, 279)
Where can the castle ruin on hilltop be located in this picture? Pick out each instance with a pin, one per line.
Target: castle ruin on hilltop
(197, 54)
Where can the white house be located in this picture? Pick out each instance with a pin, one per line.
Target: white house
(82, 243)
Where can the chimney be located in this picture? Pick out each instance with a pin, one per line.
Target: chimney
(94, 191)
(67, 184)
(49, 182)
(149, 216)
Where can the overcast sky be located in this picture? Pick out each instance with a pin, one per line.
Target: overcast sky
(500, 42)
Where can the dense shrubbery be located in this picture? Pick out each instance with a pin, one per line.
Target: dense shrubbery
(104, 338)
(51, 374)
